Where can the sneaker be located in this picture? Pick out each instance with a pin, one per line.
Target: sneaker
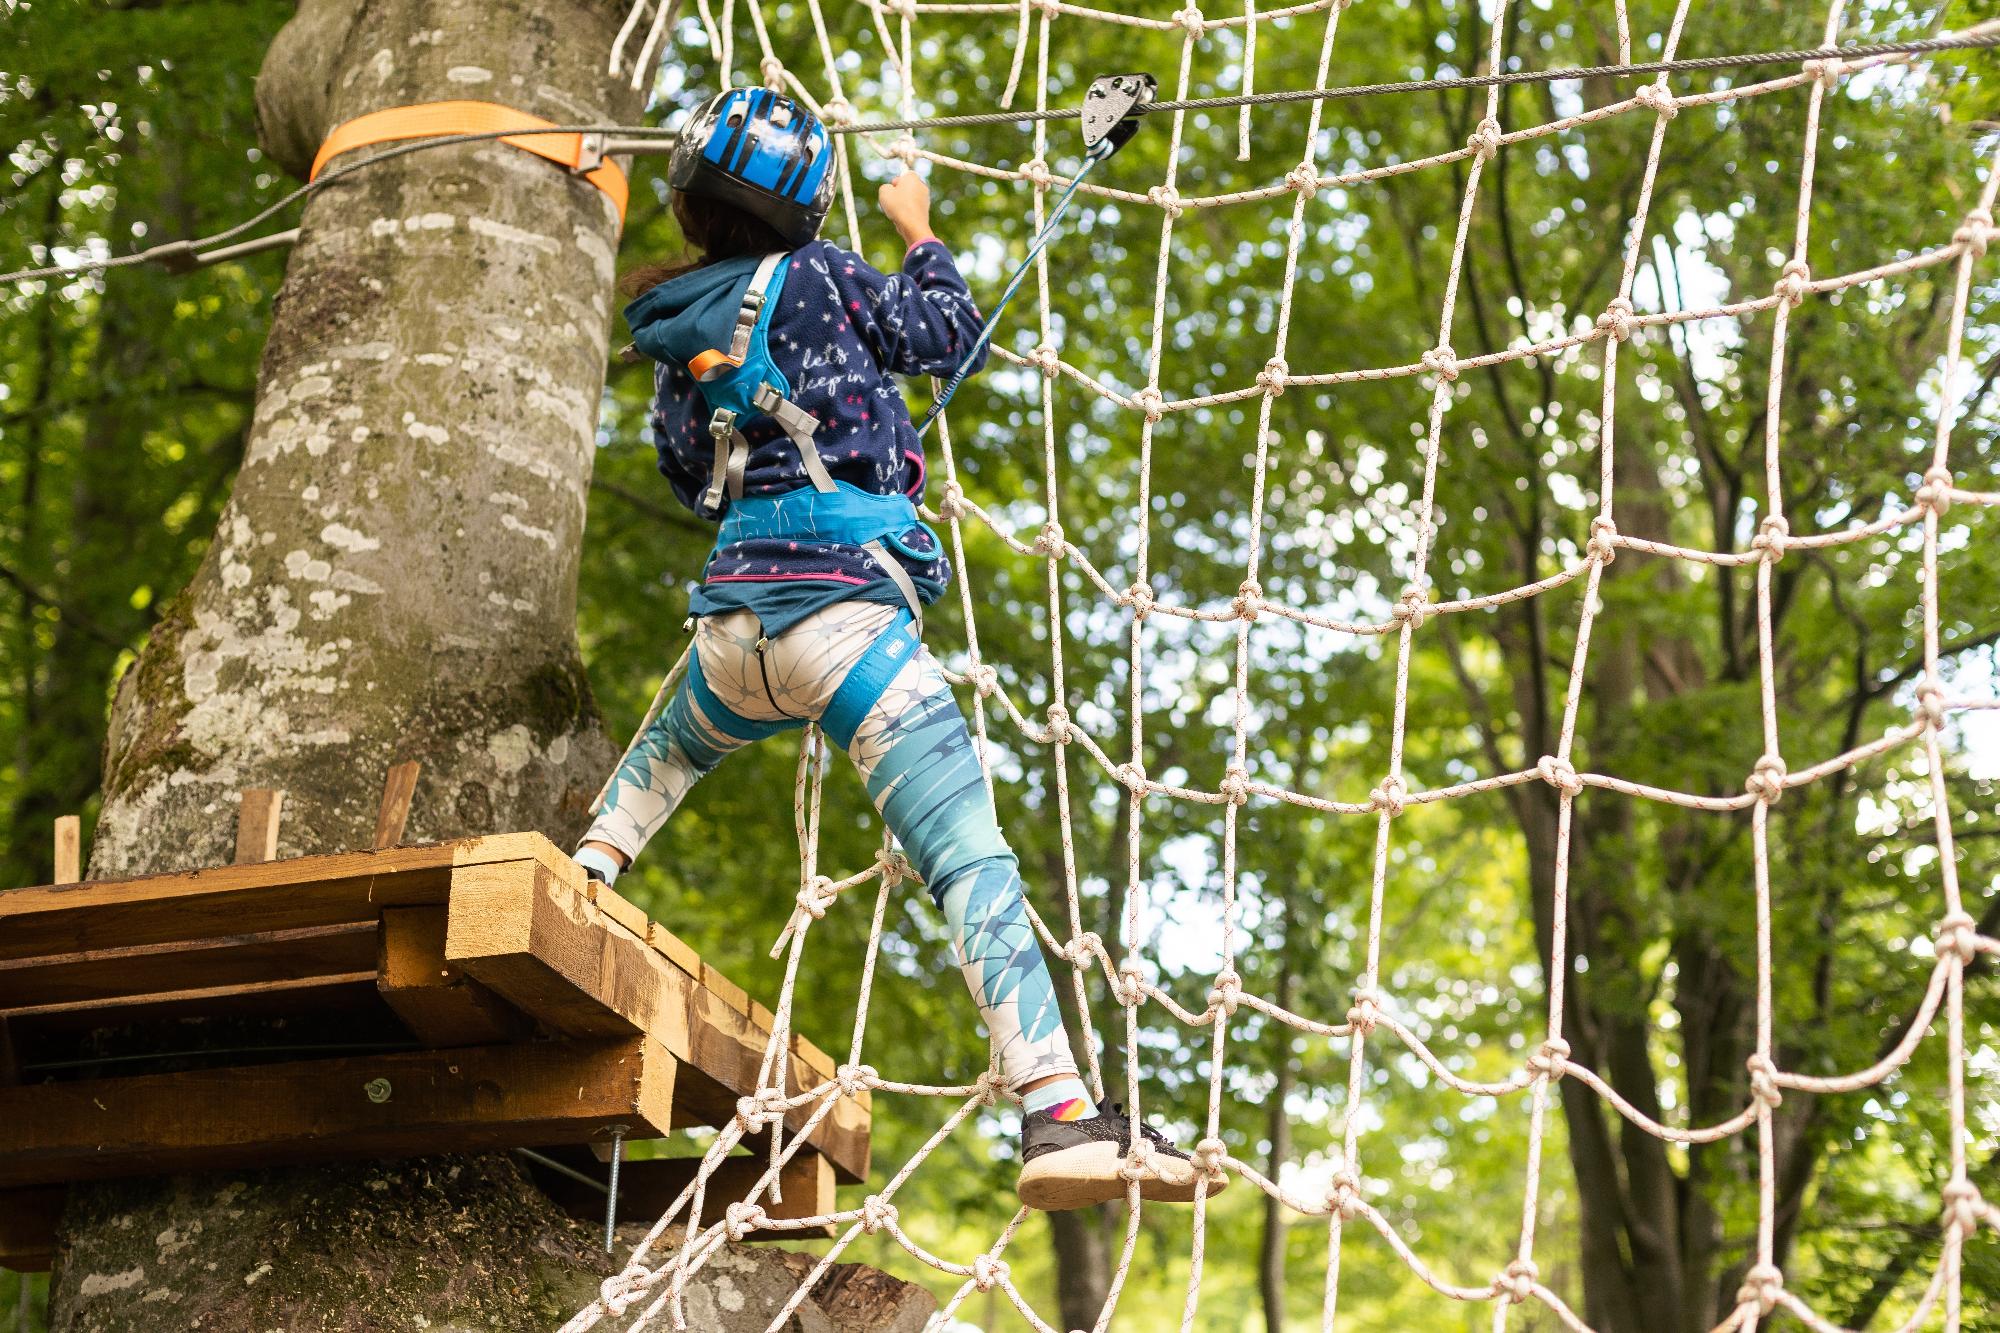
(1069, 1164)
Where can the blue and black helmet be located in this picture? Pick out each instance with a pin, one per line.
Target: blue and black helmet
(761, 152)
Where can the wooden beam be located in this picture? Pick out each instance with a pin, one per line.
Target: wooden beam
(646, 1189)
(257, 825)
(98, 976)
(69, 849)
(435, 999)
(347, 993)
(28, 1222)
(399, 1104)
(538, 941)
(394, 814)
(277, 895)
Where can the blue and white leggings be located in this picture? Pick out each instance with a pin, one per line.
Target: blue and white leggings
(858, 669)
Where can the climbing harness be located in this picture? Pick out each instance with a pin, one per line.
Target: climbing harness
(1111, 111)
(582, 154)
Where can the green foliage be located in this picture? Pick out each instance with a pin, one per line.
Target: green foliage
(1660, 898)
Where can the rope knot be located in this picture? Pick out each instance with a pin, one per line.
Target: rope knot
(754, 1113)
(1060, 731)
(1053, 8)
(1559, 773)
(876, 1213)
(895, 866)
(985, 680)
(1930, 708)
(853, 1080)
(1791, 285)
(1304, 178)
(1132, 776)
(1761, 1287)
(1662, 103)
(1081, 950)
(1249, 600)
(1963, 1208)
(1958, 936)
(1166, 198)
(1771, 536)
(986, 1271)
(1413, 607)
(991, 1085)
(1365, 1012)
(1603, 544)
(621, 1291)
(1552, 1060)
(816, 897)
(1191, 21)
(1236, 786)
(1485, 140)
(1442, 362)
(1046, 359)
(1139, 597)
(1517, 1281)
(1272, 376)
(1131, 988)
(905, 8)
(1935, 493)
(1036, 172)
(1764, 1080)
(838, 111)
(1767, 780)
(1226, 993)
(1828, 72)
(1151, 403)
(1210, 1155)
(740, 1219)
(1388, 798)
(1617, 318)
(1343, 1193)
(773, 70)
(1049, 541)
(1976, 232)
(950, 502)
(905, 149)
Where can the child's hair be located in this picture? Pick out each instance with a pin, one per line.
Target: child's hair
(713, 231)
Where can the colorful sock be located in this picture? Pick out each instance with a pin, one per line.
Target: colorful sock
(592, 859)
(1065, 1099)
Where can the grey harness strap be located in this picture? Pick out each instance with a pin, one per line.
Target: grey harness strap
(732, 451)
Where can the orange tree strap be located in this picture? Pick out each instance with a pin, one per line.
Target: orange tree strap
(428, 120)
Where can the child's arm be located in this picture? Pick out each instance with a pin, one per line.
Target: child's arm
(920, 321)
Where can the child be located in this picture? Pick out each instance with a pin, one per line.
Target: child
(775, 414)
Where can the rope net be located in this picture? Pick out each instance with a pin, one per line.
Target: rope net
(652, 1286)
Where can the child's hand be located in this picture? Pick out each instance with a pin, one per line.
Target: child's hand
(906, 202)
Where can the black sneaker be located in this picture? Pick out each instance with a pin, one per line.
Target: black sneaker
(1069, 1164)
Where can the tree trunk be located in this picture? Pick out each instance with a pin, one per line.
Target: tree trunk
(393, 578)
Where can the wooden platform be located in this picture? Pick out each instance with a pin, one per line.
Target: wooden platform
(479, 994)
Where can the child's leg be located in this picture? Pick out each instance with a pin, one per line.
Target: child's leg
(700, 725)
(918, 762)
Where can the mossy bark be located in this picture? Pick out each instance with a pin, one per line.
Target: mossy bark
(394, 578)
(395, 574)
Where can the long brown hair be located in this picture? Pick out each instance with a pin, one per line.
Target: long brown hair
(713, 231)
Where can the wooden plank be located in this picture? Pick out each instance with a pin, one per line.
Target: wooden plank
(257, 825)
(10, 1055)
(435, 999)
(547, 949)
(275, 895)
(728, 991)
(348, 993)
(69, 849)
(28, 1222)
(398, 1104)
(671, 947)
(619, 908)
(646, 1189)
(397, 792)
(94, 976)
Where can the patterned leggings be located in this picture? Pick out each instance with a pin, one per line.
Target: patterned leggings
(914, 754)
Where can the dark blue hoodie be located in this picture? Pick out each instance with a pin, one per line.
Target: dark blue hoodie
(840, 330)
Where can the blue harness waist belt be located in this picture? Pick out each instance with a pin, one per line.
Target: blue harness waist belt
(845, 516)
